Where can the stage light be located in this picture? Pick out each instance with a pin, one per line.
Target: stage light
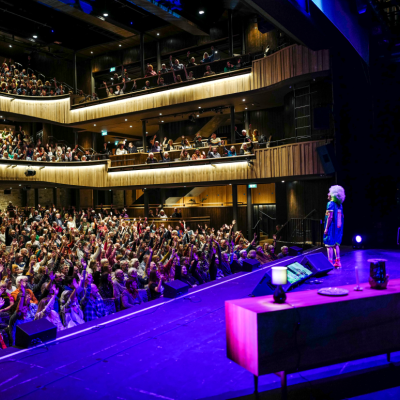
(201, 12)
(105, 15)
(358, 242)
(126, 119)
(91, 52)
(244, 99)
(52, 31)
(10, 45)
(120, 45)
(34, 36)
(158, 34)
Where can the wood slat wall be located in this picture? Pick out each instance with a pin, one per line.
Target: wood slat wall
(284, 161)
(284, 64)
(288, 63)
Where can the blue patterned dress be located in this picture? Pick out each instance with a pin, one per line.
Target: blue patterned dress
(335, 230)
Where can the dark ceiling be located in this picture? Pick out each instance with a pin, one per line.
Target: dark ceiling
(79, 24)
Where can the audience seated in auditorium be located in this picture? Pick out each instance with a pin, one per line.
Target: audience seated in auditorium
(72, 266)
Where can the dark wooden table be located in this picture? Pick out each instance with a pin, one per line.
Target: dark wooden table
(311, 331)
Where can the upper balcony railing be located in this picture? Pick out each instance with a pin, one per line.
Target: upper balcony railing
(293, 160)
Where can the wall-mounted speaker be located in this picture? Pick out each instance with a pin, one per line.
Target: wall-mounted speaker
(327, 156)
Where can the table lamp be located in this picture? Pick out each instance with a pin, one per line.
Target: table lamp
(279, 278)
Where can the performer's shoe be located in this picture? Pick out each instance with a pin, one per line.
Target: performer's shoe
(337, 263)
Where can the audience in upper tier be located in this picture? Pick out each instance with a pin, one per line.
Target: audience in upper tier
(73, 266)
(17, 145)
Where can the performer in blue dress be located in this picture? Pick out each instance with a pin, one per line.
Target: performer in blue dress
(334, 223)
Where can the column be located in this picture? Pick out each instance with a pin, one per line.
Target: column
(246, 119)
(230, 32)
(144, 138)
(158, 56)
(142, 64)
(75, 75)
(233, 139)
(163, 196)
(36, 197)
(249, 215)
(243, 35)
(146, 203)
(234, 205)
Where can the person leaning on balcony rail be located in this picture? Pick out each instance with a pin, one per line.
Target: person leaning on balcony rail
(208, 71)
(165, 156)
(121, 150)
(185, 155)
(160, 80)
(189, 77)
(246, 148)
(177, 78)
(110, 92)
(208, 58)
(169, 146)
(130, 148)
(119, 90)
(176, 65)
(213, 139)
(164, 69)
(151, 159)
(213, 152)
(150, 71)
(185, 143)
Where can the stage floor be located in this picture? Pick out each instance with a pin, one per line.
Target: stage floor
(175, 349)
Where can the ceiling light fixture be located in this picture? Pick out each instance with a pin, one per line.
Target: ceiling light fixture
(201, 12)
(10, 45)
(244, 99)
(94, 124)
(162, 121)
(126, 119)
(105, 15)
(91, 52)
(120, 45)
(35, 36)
(158, 34)
(131, 126)
(160, 113)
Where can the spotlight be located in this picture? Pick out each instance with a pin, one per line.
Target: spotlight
(91, 52)
(201, 12)
(158, 34)
(105, 15)
(358, 242)
(35, 36)
(120, 45)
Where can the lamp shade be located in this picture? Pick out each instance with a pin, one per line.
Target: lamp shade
(279, 275)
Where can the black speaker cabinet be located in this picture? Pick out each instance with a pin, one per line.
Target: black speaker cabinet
(264, 287)
(295, 251)
(327, 156)
(27, 335)
(317, 263)
(175, 288)
(250, 265)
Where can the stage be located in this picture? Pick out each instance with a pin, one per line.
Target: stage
(175, 349)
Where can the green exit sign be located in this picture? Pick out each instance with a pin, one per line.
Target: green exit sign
(253, 186)
(112, 69)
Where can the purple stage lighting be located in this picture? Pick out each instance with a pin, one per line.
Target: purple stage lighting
(358, 239)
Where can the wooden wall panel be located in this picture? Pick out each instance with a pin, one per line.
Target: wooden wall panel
(287, 63)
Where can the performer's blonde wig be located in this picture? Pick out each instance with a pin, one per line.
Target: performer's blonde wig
(337, 192)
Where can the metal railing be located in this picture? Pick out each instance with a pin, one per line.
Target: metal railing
(295, 230)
